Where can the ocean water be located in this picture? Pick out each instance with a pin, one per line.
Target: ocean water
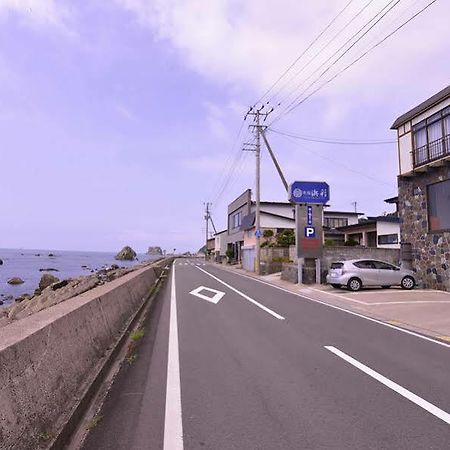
(26, 264)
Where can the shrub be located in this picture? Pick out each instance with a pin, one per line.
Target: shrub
(330, 243)
(268, 233)
(351, 243)
(286, 238)
(230, 254)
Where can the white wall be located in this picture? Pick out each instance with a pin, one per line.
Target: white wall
(276, 222)
(282, 210)
(388, 228)
(405, 151)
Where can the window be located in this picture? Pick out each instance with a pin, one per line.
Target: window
(335, 222)
(237, 219)
(384, 266)
(384, 239)
(439, 206)
(364, 264)
(432, 137)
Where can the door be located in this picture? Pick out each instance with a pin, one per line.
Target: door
(367, 272)
(388, 275)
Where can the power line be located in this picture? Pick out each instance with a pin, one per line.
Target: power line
(304, 52)
(337, 162)
(314, 57)
(391, 5)
(228, 164)
(333, 141)
(357, 59)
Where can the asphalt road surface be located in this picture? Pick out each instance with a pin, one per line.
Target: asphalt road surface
(228, 362)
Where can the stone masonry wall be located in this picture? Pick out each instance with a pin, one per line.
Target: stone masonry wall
(431, 250)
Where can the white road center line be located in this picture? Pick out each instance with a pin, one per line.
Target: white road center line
(352, 313)
(264, 308)
(427, 406)
(173, 424)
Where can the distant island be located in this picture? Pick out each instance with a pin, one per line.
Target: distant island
(155, 251)
(126, 254)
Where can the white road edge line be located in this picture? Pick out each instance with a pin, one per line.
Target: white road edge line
(362, 316)
(419, 401)
(264, 308)
(173, 423)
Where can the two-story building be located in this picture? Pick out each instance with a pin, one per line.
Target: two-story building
(424, 187)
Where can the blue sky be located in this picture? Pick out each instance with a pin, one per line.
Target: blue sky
(118, 119)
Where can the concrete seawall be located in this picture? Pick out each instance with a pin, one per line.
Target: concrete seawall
(48, 359)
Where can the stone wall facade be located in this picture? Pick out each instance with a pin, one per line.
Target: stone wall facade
(431, 250)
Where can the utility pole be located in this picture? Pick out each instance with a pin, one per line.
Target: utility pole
(355, 204)
(207, 204)
(258, 114)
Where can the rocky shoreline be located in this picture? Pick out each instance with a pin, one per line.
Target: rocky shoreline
(52, 291)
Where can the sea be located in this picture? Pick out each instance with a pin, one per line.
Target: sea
(26, 264)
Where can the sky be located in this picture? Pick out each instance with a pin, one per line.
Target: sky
(120, 118)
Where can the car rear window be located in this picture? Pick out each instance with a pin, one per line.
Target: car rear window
(337, 265)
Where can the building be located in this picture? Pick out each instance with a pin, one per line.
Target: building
(220, 245)
(274, 218)
(424, 187)
(374, 232)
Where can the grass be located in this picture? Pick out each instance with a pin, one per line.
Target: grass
(93, 423)
(46, 436)
(132, 358)
(137, 335)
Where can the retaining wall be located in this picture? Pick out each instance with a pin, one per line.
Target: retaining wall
(333, 254)
(48, 359)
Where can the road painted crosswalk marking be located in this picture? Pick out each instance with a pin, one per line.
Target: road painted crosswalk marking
(427, 406)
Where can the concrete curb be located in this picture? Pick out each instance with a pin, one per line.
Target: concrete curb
(77, 413)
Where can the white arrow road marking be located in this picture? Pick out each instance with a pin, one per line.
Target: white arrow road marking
(173, 423)
(264, 308)
(427, 406)
(215, 299)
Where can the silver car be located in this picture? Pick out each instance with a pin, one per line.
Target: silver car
(358, 273)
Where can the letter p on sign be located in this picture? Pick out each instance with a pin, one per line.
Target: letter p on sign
(310, 232)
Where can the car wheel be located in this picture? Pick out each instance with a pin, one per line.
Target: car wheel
(354, 284)
(408, 283)
(336, 286)
(385, 287)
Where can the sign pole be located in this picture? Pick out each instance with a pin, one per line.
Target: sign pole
(297, 244)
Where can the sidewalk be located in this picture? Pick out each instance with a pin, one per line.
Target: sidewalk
(423, 311)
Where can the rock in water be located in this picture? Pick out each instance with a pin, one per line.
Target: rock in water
(126, 254)
(15, 280)
(155, 251)
(47, 280)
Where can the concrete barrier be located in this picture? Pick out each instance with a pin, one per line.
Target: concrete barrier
(48, 359)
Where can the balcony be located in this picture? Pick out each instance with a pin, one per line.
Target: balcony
(433, 151)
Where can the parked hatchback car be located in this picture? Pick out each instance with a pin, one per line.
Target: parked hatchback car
(358, 273)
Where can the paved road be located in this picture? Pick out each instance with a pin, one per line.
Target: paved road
(266, 369)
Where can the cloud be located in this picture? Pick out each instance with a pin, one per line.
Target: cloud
(124, 111)
(37, 12)
(246, 45)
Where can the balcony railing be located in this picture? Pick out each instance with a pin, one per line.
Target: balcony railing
(432, 151)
